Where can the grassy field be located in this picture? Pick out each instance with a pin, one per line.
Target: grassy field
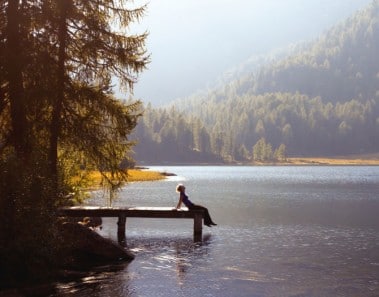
(94, 179)
(367, 159)
(363, 159)
(134, 175)
(144, 175)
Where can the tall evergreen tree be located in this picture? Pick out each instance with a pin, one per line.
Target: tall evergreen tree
(90, 52)
(58, 59)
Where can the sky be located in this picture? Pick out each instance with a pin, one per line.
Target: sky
(193, 42)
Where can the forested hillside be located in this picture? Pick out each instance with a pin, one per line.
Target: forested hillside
(322, 100)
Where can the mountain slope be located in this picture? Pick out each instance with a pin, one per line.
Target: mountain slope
(322, 100)
(340, 65)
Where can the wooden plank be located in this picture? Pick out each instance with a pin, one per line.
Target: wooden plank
(89, 211)
(140, 212)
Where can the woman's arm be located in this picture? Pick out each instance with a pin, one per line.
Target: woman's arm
(179, 202)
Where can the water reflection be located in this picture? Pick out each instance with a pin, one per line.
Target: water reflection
(170, 259)
(183, 259)
(93, 281)
(157, 260)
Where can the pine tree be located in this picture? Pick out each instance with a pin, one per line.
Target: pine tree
(280, 153)
(91, 52)
(58, 59)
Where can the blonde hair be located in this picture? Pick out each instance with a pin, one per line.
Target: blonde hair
(179, 188)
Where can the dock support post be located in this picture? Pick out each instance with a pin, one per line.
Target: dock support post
(198, 227)
(121, 233)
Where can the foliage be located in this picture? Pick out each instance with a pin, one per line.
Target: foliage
(170, 136)
(262, 151)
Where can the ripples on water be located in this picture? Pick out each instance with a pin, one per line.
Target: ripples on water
(283, 231)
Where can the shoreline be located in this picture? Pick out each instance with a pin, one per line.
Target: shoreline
(143, 173)
(290, 162)
(349, 160)
(342, 161)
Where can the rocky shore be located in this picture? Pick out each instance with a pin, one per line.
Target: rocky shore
(86, 245)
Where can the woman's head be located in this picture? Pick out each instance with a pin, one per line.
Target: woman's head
(180, 188)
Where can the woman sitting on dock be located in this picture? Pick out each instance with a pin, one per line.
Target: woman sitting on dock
(183, 198)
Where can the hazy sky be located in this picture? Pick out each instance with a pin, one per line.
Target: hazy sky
(192, 42)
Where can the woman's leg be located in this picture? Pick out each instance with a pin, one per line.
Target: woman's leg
(207, 218)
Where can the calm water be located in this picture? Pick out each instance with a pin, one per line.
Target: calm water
(283, 231)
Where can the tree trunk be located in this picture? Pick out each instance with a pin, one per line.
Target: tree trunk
(58, 102)
(14, 60)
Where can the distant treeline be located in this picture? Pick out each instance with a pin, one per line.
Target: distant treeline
(322, 100)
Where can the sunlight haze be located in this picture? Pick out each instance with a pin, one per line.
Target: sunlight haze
(192, 43)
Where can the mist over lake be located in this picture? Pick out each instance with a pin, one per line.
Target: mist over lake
(282, 231)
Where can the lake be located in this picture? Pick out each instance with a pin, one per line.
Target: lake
(282, 231)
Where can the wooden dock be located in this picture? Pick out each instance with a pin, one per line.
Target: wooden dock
(136, 212)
